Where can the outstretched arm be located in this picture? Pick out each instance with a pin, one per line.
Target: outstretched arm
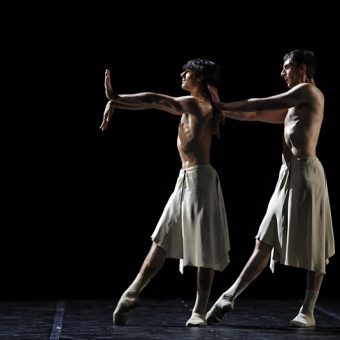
(238, 115)
(143, 101)
(269, 109)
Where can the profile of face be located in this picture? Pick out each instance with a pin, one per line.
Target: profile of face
(292, 73)
(189, 80)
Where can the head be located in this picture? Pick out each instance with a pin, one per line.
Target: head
(204, 70)
(298, 66)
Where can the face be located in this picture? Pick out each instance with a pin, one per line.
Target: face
(188, 80)
(291, 73)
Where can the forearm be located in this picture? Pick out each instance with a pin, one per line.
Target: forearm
(128, 106)
(265, 116)
(239, 115)
(248, 105)
(137, 101)
(240, 110)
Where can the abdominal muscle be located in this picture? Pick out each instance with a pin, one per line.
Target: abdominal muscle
(193, 145)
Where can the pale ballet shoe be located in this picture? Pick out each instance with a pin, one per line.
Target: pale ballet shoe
(121, 313)
(302, 320)
(216, 313)
(196, 320)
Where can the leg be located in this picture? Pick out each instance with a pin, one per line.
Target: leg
(305, 318)
(205, 277)
(256, 263)
(150, 267)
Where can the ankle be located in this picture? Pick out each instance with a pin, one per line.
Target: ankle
(130, 294)
(306, 311)
(229, 297)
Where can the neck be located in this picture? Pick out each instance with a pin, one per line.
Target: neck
(200, 95)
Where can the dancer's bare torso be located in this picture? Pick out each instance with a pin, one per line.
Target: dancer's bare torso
(194, 139)
(302, 127)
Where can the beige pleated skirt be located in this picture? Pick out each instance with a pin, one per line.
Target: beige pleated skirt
(298, 221)
(193, 226)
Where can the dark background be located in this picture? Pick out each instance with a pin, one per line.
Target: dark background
(80, 205)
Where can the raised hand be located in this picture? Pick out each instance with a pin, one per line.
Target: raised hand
(109, 109)
(108, 86)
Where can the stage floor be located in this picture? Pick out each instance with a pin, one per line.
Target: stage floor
(161, 319)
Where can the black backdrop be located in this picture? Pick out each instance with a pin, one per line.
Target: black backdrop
(80, 205)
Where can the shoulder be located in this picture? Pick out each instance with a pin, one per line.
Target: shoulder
(307, 89)
(190, 102)
(187, 99)
(310, 94)
(313, 91)
(194, 106)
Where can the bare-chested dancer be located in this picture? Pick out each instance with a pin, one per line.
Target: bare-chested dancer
(193, 226)
(297, 227)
